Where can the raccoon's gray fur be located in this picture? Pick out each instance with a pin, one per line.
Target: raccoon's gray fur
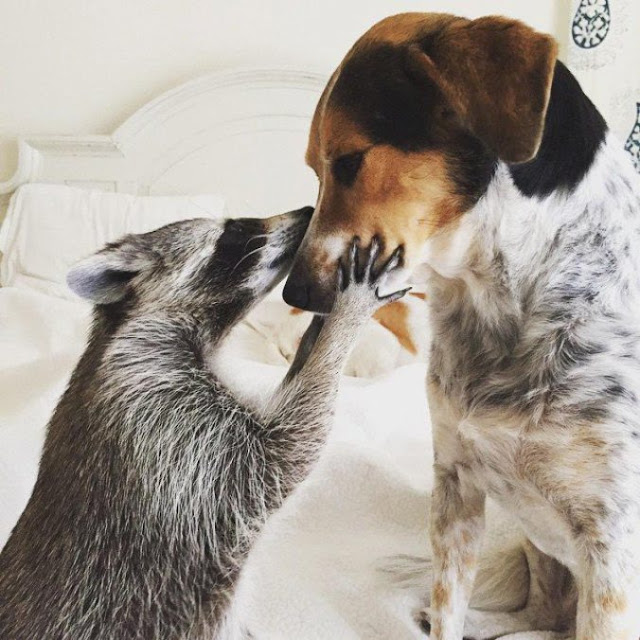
(155, 479)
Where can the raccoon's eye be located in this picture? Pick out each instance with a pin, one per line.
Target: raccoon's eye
(345, 168)
(241, 230)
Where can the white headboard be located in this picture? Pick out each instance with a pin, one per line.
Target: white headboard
(241, 134)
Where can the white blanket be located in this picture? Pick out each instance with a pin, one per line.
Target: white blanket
(316, 570)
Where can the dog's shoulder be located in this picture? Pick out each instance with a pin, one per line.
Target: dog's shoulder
(549, 307)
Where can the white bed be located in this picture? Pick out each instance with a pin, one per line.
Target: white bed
(240, 135)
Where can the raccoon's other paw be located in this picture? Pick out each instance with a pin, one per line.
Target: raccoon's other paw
(358, 279)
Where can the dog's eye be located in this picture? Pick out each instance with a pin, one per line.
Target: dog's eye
(345, 168)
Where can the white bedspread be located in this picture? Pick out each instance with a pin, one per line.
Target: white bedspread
(315, 572)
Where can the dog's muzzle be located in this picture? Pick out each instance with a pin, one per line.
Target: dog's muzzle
(307, 289)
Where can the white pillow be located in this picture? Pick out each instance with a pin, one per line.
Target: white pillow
(49, 227)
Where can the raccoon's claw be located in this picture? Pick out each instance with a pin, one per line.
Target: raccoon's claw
(392, 297)
(349, 273)
(358, 270)
(395, 260)
(373, 253)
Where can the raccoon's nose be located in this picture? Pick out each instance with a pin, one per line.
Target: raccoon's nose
(298, 218)
(305, 213)
(301, 219)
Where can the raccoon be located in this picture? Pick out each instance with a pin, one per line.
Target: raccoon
(155, 478)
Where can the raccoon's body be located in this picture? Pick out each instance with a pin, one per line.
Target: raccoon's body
(155, 479)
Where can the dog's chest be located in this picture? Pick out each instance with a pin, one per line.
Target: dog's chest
(492, 403)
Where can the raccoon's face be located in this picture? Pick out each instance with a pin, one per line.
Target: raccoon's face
(193, 264)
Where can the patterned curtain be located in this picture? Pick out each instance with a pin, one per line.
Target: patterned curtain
(604, 53)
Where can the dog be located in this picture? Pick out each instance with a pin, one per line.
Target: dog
(468, 147)
(155, 478)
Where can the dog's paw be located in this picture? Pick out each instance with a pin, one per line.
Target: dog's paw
(490, 625)
(359, 281)
(423, 618)
(538, 635)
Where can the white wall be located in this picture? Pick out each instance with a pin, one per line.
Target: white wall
(82, 66)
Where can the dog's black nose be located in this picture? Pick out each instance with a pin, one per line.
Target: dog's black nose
(296, 294)
(307, 290)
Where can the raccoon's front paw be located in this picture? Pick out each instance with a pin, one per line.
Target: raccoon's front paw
(359, 280)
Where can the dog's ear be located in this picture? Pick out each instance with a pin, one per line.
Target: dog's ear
(106, 276)
(496, 73)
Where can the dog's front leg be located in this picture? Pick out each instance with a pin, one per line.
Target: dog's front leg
(609, 592)
(457, 526)
(550, 606)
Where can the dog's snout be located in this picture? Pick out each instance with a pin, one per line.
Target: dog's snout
(303, 291)
(296, 294)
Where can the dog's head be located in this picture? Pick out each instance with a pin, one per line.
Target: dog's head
(193, 265)
(408, 132)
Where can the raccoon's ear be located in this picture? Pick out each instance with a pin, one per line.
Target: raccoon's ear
(105, 276)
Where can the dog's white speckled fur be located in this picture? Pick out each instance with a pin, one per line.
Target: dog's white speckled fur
(534, 390)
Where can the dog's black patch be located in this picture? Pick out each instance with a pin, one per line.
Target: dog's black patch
(394, 105)
(390, 106)
(615, 389)
(471, 166)
(573, 132)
